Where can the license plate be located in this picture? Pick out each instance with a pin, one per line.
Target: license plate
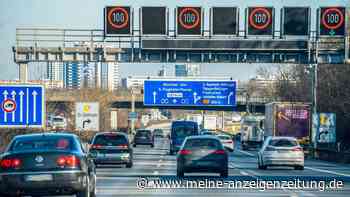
(41, 177)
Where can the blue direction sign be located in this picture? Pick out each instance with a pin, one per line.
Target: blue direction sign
(190, 93)
(22, 106)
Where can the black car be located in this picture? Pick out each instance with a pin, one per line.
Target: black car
(111, 148)
(144, 137)
(202, 154)
(46, 164)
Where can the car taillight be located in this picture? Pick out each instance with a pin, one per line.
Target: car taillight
(185, 152)
(68, 161)
(123, 146)
(96, 146)
(297, 149)
(219, 152)
(10, 163)
(230, 142)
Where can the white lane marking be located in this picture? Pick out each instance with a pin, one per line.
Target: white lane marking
(245, 152)
(327, 171)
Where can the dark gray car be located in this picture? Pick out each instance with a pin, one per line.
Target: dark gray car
(202, 154)
(144, 137)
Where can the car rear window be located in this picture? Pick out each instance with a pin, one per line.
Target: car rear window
(202, 144)
(223, 137)
(43, 143)
(143, 133)
(110, 140)
(183, 131)
(283, 143)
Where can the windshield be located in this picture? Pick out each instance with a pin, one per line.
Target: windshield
(143, 133)
(283, 143)
(183, 131)
(110, 140)
(224, 137)
(202, 144)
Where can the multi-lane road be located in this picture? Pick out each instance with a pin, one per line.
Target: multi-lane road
(156, 164)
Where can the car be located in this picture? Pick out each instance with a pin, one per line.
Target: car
(179, 131)
(111, 148)
(57, 122)
(281, 151)
(202, 154)
(158, 133)
(46, 164)
(144, 137)
(227, 141)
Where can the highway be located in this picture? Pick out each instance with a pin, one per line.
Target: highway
(154, 163)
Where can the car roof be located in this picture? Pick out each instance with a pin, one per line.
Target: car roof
(202, 137)
(282, 137)
(111, 132)
(26, 136)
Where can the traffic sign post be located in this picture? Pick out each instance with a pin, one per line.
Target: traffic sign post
(22, 106)
(190, 93)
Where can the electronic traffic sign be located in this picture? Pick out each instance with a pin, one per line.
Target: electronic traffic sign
(332, 21)
(296, 21)
(22, 106)
(260, 21)
(189, 20)
(117, 20)
(189, 93)
(224, 20)
(153, 20)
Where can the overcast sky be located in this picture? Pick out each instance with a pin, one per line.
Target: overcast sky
(88, 14)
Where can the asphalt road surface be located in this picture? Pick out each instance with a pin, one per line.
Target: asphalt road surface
(156, 164)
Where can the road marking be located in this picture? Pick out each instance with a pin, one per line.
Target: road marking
(247, 153)
(327, 171)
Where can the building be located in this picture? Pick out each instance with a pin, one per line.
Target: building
(54, 71)
(107, 75)
(72, 75)
(162, 72)
(187, 70)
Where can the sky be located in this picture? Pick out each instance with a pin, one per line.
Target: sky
(88, 14)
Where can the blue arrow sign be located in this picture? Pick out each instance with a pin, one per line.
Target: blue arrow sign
(190, 93)
(22, 106)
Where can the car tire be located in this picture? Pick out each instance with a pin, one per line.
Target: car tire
(171, 152)
(134, 145)
(180, 173)
(299, 167)
(129, 165)
(224, 173)
(152, 145)
(85, 192)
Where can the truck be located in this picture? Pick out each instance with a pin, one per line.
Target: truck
(288, 119)
(252, 133)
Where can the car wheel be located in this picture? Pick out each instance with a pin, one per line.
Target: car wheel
(180, 173)
(85, 192)
(224, 173)
(299, 167)
(129, 165)
(171, 152)
(152, 145)
(134, 145)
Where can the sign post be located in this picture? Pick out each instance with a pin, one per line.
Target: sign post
(22, 106)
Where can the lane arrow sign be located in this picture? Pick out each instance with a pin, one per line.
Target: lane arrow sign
(21, 93)
(34, 93)
(154, 96)
(5, 93)
(229, 98)
(13, 93)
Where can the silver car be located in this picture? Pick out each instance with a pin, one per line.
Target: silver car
(281, 151)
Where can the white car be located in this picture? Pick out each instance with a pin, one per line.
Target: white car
(227, 141)
(281, 151)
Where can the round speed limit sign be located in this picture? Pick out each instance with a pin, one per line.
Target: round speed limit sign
(9, 105)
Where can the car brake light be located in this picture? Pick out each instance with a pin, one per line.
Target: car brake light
(123, 146)
(185, 152)
(297, 149)
(10, 163)
(68, 161)
(230, 142)
(219, 152)
(96, 146)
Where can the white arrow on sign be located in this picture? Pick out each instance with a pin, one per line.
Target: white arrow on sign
(21, 93)
(195, 97)
(228, 98)
(174, 101)
(13, 93)
(5, 93)
(34, 93)
(154, 97)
